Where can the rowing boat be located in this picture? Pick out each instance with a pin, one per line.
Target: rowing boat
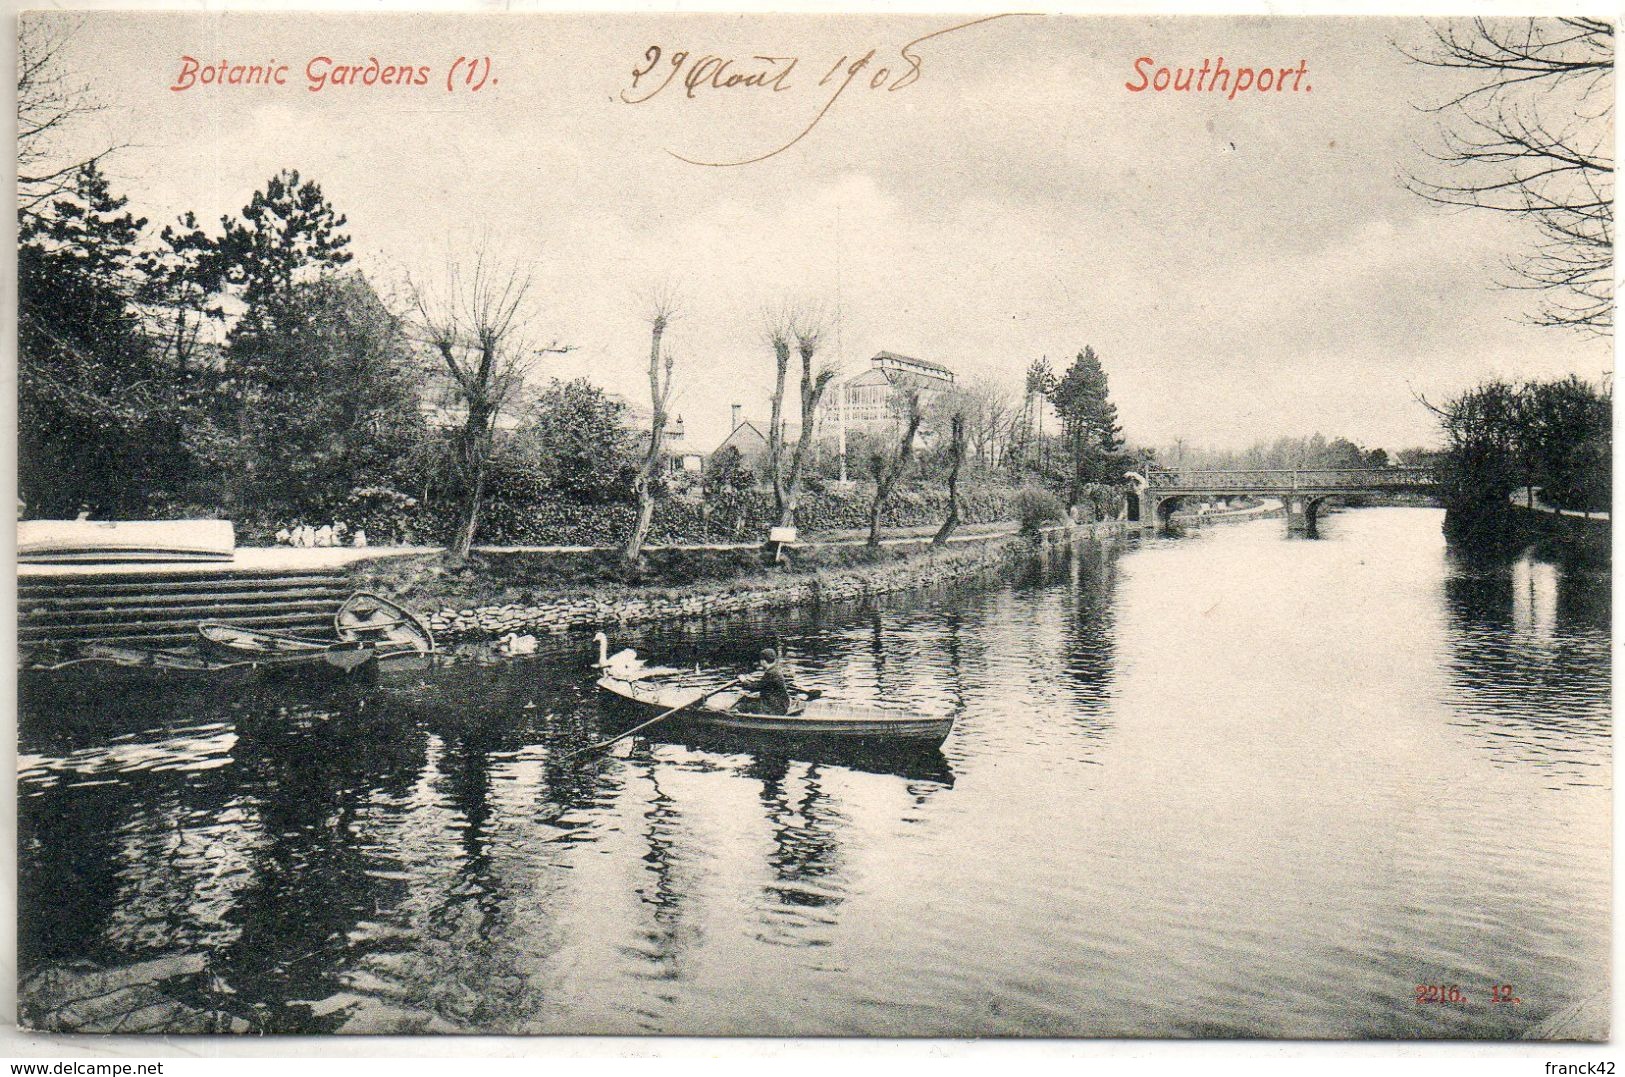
(95, 541)
(141, 663)
(814, 720)
(111, 663)
(235, 641)
(369, 618)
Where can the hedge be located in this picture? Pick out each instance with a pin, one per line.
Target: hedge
(726, 516)
(519, 512)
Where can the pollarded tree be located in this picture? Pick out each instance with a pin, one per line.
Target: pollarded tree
(956, 457)
(887, 466)
(646, 486)
(779, 337)
(808, 330)
(476, 322)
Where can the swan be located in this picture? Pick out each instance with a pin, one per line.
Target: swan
(627, 657)
(514, 644)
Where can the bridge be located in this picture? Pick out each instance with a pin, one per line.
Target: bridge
(1158, 494)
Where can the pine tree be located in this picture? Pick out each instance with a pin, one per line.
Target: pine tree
(96, 423)
(1088, 417)
(288, 233)
(288, 237)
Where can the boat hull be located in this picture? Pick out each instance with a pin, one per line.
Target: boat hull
(236, 643)
(819, 722)
(370, 618)
(97, 541)
(99, 665)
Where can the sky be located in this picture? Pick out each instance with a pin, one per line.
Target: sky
(1245, 268)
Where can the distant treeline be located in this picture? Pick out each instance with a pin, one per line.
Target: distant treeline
(1285, 453)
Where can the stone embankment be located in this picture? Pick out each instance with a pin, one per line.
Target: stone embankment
(931, 567)
(1269, 507)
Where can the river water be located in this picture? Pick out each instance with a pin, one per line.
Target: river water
(1225, 784)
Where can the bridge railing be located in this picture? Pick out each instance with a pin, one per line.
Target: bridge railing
(1287, 479)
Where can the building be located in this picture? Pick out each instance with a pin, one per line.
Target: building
(680, 456)
(636, 418)
(867, 398)
(749, 439)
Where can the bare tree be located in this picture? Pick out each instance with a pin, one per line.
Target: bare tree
(661, 362)
(991, 415)
(956, 457)
(780, 333)
(887, 469)
(477, 325)
(1027, 436)
(49, 102)
(1532, 136)
(808, 329)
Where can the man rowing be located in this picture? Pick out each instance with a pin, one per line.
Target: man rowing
(769, 689)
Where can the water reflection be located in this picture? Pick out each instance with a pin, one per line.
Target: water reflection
(670, 888)
(806, 848)
(1534, 598)
(1530, 672)
(1145, 743)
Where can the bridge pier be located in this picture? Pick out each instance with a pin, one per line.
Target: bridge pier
(1295, 507)
(1301, 490)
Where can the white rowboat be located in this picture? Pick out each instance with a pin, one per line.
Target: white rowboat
(817, 719)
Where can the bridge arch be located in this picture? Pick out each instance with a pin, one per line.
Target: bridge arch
(1167, 505)
(1312, 506)
(1303, 492)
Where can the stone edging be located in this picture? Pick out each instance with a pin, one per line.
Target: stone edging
(934, 567)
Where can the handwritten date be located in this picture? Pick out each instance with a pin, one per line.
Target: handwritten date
(669, 72)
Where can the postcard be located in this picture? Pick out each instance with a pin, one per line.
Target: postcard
(788, 525)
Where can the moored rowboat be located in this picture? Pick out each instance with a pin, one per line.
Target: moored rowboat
(235, 641)
(143, 665)
(816, 720)
(93, 541)
(370, 618)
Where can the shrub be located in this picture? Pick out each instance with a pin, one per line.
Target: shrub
(520, 511)
(1035, 507)
(385, 514)
(1103, 500)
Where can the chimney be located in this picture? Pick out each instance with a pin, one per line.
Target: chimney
(735, 411)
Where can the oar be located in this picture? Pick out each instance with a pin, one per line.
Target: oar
(600, 746)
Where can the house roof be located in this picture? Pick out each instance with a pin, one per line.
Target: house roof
(911, 361)
(748, 437)
(872, 376)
